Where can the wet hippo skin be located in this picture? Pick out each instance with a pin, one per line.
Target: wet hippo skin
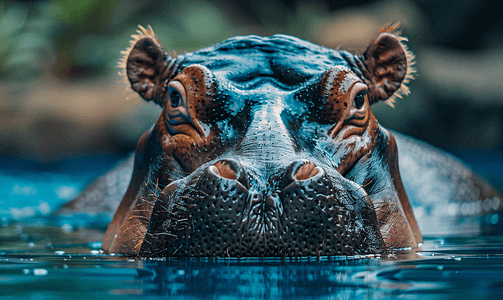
(267, 146)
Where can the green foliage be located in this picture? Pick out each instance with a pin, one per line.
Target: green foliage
(23, 51)
(69, 38)
(84, 38)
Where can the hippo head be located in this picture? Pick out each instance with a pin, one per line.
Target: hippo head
(266, 146)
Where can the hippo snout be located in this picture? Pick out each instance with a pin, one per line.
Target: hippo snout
(230, 210)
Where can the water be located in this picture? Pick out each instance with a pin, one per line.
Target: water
(44, 257)
(29, 188)
(43, 260)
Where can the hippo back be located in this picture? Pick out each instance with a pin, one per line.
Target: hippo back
(447, 196)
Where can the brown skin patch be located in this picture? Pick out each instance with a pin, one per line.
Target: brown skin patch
(394, 214)
(339, 86)
(189, 149)
(399, 236)
(399, 227)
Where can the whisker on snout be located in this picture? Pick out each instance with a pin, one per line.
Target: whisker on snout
(141, 210)
(377, 191)
(138, 217)
(132, 226)
(380, 205)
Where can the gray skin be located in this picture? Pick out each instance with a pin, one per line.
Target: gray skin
(267, 146)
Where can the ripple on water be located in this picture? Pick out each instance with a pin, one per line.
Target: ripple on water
(63, 265)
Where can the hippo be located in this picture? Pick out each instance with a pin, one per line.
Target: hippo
(267, 147)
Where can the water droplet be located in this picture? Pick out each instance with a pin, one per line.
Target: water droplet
(67, 228)
(40, 272)
(494, 219)
(496, 203)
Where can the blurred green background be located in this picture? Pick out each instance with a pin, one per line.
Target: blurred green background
(60, 95)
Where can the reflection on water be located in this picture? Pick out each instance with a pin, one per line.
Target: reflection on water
(53, 259)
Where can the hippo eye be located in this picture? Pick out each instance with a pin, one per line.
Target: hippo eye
(175, 97)
(359, 99)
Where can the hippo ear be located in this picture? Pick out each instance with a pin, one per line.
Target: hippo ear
(147, 66)
(385, 66)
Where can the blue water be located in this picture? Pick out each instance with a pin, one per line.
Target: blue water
(445, 269)
(45, 257)
(29, 188)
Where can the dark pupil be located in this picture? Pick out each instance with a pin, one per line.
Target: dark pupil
(359, 101)
(176, 99)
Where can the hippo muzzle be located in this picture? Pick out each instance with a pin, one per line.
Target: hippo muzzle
(265, 147)
(223, 210)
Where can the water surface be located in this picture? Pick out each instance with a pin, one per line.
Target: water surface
(50, 259)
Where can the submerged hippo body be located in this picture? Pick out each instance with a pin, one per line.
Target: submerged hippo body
(266, 146)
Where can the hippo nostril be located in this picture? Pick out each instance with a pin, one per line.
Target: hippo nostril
(229, 169)
(306, 171)
(214, 170)
(315, 174)
(302, 170)
(225, 169)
